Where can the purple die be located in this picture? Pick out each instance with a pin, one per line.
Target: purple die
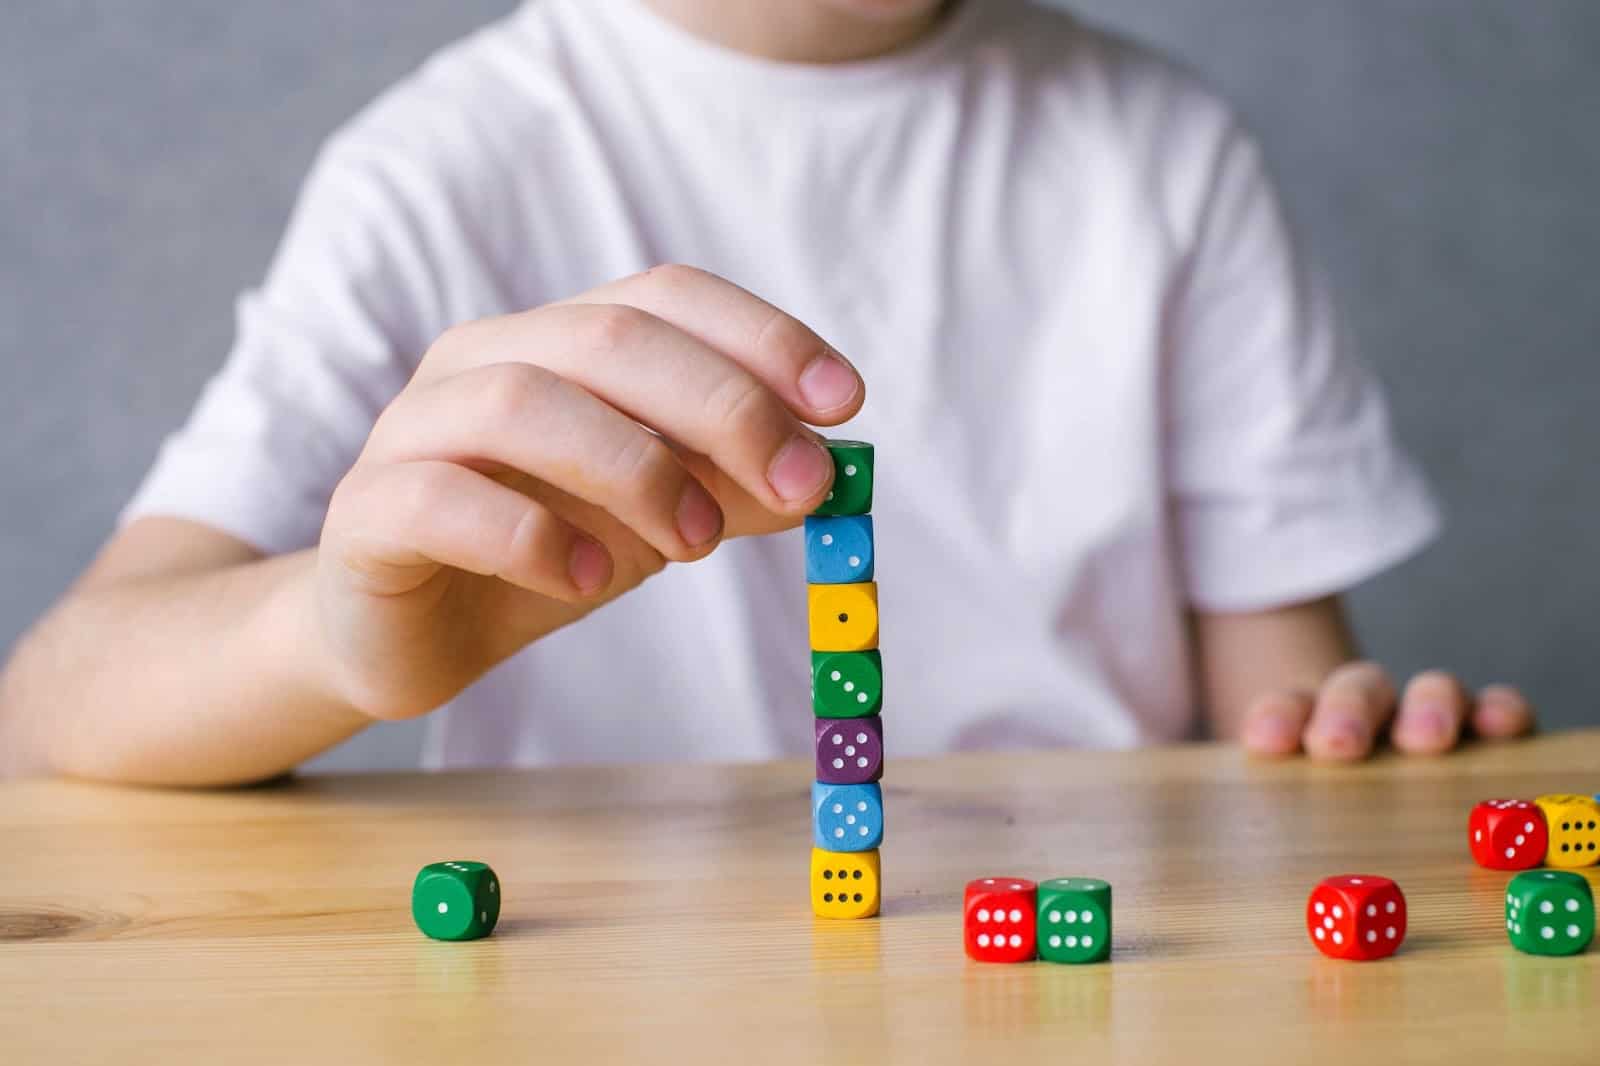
(849, 750)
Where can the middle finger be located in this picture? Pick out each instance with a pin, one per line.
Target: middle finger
(1353, 703)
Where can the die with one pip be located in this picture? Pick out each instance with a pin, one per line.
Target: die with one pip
(456, 900)
(1358, 917)
(843, 617)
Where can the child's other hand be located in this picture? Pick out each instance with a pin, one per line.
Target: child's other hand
(1344, 720)
(540, 464)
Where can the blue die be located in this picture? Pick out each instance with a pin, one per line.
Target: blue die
(847, 817)
(838, 549)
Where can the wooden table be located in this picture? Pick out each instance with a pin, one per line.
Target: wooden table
(661, 913)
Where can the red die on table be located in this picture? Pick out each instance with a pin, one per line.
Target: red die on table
(1356, 916)
(1001, 913)
(1507, 834)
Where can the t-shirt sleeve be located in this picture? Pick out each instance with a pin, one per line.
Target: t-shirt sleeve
(332, 334)
(1285, 478)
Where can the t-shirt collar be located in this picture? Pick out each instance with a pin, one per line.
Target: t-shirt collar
(672, 50)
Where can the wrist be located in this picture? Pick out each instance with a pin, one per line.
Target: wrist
(307, 665)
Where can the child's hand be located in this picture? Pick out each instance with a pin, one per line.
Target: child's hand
(1342, 721)
(515, 484)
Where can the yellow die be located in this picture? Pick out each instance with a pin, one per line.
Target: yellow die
(1574, 823)
(843, 617)
(844, 884)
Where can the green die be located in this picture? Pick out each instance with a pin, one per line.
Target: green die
(1074, 920)
(852, 478)
(1549, 912)
(846, 684)
(456, 900)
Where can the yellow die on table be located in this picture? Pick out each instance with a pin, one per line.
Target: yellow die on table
(1574, 823)
(845, 884)
(843, 617)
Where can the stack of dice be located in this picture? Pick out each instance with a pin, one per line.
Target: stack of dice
(1548, 912)
(846, 692)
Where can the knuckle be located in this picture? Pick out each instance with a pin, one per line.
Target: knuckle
(675, 277)
(1505, 695)
(384, 424)
(744, 409)
(347, 496)
(642, 463)
(535, 554)
(1346, 702)
(1365, 676)
(1434, 679)
(784, 340)
(453, 342)
(512, 393)
(1280, 703)
(611, 327)
(1357, 670)
(527, 540)
(419, 491)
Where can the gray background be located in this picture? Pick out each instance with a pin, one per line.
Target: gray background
(1441, 158)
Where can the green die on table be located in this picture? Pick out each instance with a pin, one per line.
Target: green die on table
(852, 478)
(1074, 920)
(1549, 912)
(456, 900)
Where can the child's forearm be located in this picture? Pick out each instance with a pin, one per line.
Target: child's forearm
(1245, 656)
(202, 678)
(1286, 680)
(536, 466)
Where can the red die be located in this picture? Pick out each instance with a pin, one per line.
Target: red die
(1001, 913)
(1356, 917)
(1507, 834)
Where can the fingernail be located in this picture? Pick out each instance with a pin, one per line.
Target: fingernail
(799, 469)
(589, 564)
(1274, 730)
(1343, 737)
(828, 382)
(698, 516)
(1429, 722)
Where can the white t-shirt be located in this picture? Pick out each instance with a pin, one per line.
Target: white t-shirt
(1101, 385)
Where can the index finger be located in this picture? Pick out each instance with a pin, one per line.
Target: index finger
(645, 368)
(816, 382)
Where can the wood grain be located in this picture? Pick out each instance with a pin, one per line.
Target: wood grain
(660, 914)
